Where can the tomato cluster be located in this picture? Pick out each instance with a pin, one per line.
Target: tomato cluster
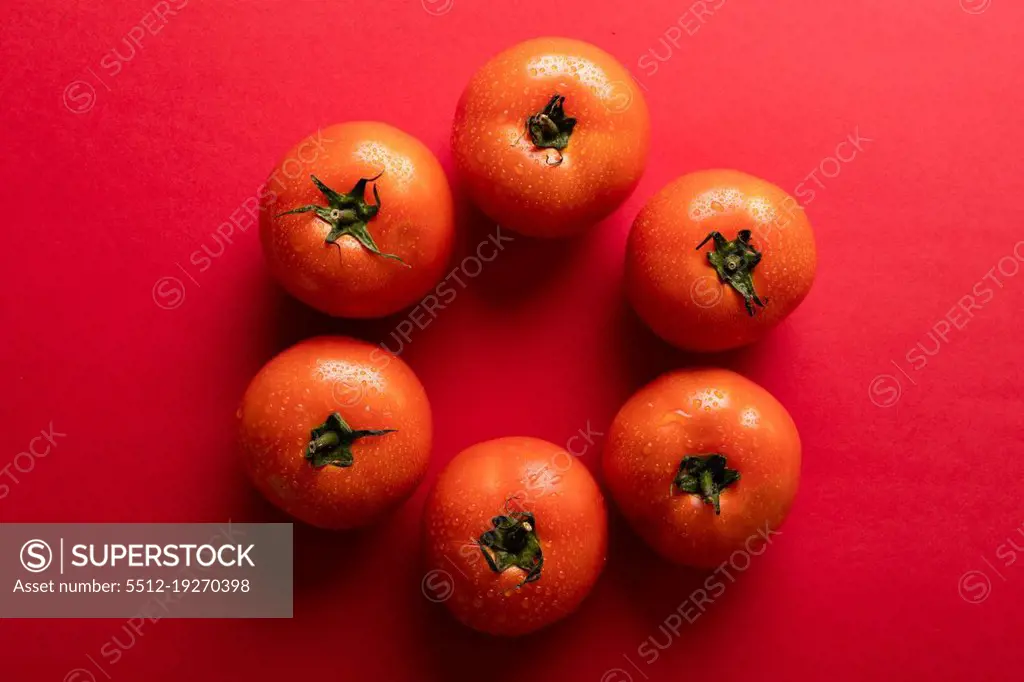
(550, 137)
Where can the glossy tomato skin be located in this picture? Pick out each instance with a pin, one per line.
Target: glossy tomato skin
(527, 474)
(370, 389)
(675, 290)
(701, 411)
(522, 186)
(415, 221)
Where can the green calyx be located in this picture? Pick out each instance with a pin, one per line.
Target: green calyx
(512, 542)
(735, 262)
(706, 476)
(348, 214)
(550, 128)
(331, 442)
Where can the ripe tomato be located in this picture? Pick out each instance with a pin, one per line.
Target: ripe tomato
(717, 258)
(337, 249)
(550, 136)
(703, 463)
(335, 431)
(520, 527)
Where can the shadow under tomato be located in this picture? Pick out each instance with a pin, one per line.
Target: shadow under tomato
(292, 321)
(326, 556)
(289, 321)
(458, 652)
(284, 320)
(520, 270)
(646, 356)
(683, 610)
(319, 556)
(655, 586)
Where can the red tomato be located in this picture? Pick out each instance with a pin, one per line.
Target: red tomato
(703, 463)
(551, 136)
(717, 258)
(520, 527)
(335, 431)
(337, 248)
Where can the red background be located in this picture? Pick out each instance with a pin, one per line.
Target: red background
(898, 500)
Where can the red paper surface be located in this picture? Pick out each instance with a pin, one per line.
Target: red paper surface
(119, 166)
